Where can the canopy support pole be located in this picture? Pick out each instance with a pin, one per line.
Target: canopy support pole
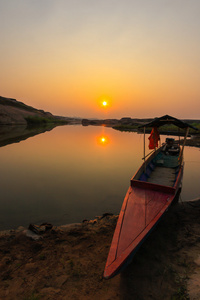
(181, 153)
(144, 152)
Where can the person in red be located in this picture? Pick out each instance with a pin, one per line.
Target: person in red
(154, 138)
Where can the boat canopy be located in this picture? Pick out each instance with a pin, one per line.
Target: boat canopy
(157, 122)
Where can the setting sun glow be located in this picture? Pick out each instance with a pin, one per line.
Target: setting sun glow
(103, 140)
(104, 102)
(72, 63)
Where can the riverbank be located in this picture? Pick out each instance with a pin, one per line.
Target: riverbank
(67, 262)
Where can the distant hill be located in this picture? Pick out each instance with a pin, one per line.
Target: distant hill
(13, 112)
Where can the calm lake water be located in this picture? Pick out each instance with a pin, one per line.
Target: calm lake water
(73, 173)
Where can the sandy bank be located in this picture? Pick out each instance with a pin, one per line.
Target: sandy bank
(68, 262)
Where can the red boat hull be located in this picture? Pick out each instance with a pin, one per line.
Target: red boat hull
(143, 206)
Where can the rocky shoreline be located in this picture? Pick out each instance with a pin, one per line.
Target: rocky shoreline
(13, 112)
(67, 262)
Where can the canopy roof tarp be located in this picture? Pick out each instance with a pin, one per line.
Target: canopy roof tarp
(166, 120)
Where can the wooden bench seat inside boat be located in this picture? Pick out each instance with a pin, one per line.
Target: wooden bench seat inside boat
(162, 170)
(163, 176)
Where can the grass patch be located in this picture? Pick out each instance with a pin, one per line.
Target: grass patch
(75, 269)
(33, 296)
(171, 129)
(125, 127)
(181, 294)
(197, 125)
(37, 120)
(164, 129)
(42, 257)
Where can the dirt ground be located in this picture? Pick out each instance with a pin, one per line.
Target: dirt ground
(68, 262)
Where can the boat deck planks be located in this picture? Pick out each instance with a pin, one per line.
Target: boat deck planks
(163, 176)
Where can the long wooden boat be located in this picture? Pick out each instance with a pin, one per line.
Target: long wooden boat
(152, 190)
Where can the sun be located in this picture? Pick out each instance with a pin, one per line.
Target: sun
(104, 103)
(103, 140)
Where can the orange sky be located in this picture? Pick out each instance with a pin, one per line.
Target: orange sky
(65, 56)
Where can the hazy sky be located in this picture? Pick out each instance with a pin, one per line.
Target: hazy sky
(64, 56)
